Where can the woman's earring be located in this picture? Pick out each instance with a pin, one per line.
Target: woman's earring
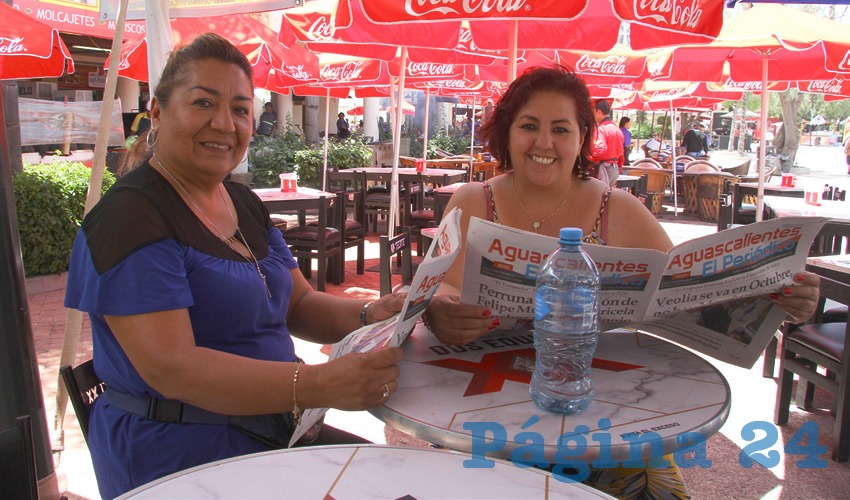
(148, 142)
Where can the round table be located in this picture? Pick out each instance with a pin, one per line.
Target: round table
(361, 472)
(642, 384)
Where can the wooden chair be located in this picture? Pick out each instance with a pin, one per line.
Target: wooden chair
(701, 166)
(84, 386)
(401, 246)
(309, 242)
(352, 231)
(684, 159)
(657, 181)
(18, 478)
(646, 163)
(709, 191)
(833, 239)
(739, 170)
(824, 345)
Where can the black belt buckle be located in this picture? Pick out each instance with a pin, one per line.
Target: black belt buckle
(163, 410)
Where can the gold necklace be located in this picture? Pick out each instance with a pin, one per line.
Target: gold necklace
(230, 241)
(534, 223)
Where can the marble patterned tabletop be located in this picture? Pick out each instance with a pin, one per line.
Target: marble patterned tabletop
(359, 472)
(642, 384)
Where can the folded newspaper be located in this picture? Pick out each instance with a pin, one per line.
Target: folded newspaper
(393, 331)
(708, 294)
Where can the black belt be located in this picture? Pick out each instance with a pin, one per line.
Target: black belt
(162, 410)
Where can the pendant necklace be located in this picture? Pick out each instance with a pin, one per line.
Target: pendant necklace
(534, 223)
(230, 241)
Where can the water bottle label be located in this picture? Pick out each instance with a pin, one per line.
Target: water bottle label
(589, 313)
(540, 307)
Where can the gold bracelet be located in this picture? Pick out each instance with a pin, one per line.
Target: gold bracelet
(296, 412)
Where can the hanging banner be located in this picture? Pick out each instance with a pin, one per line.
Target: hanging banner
(196, 8)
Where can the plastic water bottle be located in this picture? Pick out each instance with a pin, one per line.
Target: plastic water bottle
(566, 328)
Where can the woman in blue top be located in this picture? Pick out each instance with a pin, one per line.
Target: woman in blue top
(193, 294)
(625, 125)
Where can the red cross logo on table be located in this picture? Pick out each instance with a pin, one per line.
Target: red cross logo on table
(489, 374)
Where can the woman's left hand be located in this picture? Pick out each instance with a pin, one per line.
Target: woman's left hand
(800, 300)
(385, 307)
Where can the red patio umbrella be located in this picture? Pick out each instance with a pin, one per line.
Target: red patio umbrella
(275, 67)
(30, 48)
(765, 43)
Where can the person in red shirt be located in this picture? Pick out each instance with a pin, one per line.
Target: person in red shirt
(607, 144)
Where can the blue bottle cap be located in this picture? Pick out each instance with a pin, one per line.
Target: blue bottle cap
(570, 236)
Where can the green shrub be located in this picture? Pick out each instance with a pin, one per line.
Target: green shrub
(50, 201)
(308, 165)
(348, 153)
(455, 145)
(275, 155)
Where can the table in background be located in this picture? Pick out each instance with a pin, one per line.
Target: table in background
(629, 183)
(781, 206)
(435, 176)
(748, 191)
(642, 383)
(361, 472)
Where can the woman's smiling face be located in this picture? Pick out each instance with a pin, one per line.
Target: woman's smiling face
(207, 122)
(545, 138)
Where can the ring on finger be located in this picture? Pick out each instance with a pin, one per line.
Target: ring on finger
(386, 391)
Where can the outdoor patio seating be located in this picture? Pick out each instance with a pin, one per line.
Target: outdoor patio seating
(710, 189)
(739, 170)
(701, 166)
(819, 345)
(310, 242)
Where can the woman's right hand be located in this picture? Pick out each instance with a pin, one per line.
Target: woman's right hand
(355, 381)
(454, 323)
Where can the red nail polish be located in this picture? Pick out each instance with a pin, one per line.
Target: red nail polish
(787, 291)
(496, 322)
(799, 277)
(774, 296)
(486, 313)
(492, 328)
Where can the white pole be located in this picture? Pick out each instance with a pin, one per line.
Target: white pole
(512, 43)
(158, 38)
(425, 132)
(472, 141)
(762, 142)
(327, 124)
(673, 151)
(392, 220)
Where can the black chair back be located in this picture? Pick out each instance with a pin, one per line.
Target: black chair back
(401, 246)
(84, 386)
(17, 462)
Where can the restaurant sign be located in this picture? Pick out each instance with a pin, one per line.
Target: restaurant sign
(70, 16)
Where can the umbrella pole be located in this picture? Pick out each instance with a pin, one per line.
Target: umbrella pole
(327, 124)
(393, 216)
(74, 318)
(425, 132)
(472, 142)
(673, 153)
(762, 145)
(512, 42)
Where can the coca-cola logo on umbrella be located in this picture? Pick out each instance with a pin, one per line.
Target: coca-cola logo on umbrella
(296, 72)
(345, 72)
(418, 8)
(321, 29)
(751, 86)
(833, 86)
(609, 65)
(430, 69)
(685, 13)
(11, 46)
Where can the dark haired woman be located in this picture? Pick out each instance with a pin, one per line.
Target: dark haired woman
(625, 125)
(193, 294)
(541, 131)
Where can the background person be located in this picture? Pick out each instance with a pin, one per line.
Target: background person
(193, 294)
(342, 131)
(268, 121)
(695, 142)
(607, 144)
(625, 125)
(656, 148)
(541, 132)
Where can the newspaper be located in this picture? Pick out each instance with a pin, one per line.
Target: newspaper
(708, 294)
(394, 331)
